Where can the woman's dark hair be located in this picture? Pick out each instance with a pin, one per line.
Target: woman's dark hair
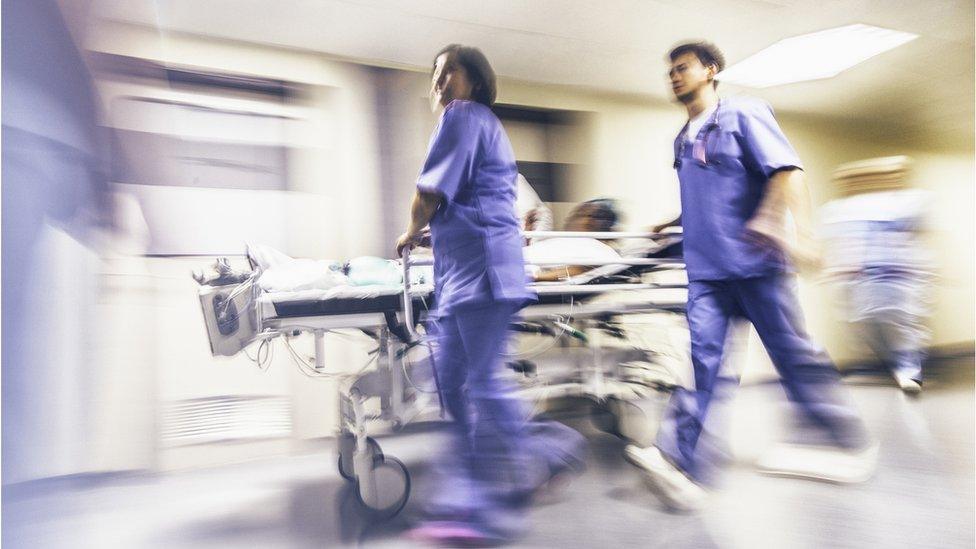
(706, 52)
(604, 211)
(479, 71)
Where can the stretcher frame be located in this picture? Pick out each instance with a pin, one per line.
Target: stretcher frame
(383, 482)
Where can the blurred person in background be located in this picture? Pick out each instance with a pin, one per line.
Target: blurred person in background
(739, 176)
(466, 192)
(875, 252)
(55, 198)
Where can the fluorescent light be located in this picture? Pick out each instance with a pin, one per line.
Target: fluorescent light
(813, 56)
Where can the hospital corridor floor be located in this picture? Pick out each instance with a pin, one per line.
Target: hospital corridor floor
(921, 496)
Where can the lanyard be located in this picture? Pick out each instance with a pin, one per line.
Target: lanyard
(699, 149)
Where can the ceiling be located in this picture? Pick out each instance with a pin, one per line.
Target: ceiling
(924, 88)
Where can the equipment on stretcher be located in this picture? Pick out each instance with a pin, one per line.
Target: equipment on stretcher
(243, 313)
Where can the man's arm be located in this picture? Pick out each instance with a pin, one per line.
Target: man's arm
(787, 191)
(422, 209)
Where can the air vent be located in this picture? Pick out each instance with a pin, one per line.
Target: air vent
(225, 418)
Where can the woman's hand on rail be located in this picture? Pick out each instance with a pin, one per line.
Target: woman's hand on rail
(407, 240)
(424, 239)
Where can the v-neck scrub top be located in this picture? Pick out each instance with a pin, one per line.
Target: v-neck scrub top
(475, 234)
(743, 147)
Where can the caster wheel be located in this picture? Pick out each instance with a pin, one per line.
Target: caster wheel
(604, 418)
(391, 487)
(631, 422)
(347, 447)
(620, 418)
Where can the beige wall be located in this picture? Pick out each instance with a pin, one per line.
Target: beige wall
(341, 123)
(950, 177)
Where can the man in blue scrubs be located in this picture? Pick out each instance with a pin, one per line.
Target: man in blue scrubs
(739, 175)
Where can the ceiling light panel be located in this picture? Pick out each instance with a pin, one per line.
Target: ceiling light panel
(814, 56)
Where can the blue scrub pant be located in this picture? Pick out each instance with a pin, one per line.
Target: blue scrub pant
(496, 454)
(887, 310)
(809, 377)
(894, 338)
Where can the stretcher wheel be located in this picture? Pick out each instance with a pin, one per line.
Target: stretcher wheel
(604, 418)
(391, 487)
(632, 422)
(347, 447)
(621, 418)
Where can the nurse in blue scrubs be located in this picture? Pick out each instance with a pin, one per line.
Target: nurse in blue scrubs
(466, 193)
(739, 175)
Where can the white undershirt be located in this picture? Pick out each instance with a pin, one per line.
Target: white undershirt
(696, 123)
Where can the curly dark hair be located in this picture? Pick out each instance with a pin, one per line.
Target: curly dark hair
(479, 71)
(706, 52)
(603, 211)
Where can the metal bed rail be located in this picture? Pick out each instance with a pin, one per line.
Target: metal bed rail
(408, 262)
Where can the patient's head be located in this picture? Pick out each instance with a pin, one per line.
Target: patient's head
(598, 215)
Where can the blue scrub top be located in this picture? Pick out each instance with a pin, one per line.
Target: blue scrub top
(743, 146)
(475, 234)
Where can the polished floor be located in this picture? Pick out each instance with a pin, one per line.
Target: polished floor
(921, 496)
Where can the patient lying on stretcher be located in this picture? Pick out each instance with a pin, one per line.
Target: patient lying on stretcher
(591, 216)
(281, 273)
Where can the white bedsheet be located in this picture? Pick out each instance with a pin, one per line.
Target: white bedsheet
(288, 279)
(267, 300)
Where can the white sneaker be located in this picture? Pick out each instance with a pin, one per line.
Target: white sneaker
(820, 463)
(908, 385)
(669, 483)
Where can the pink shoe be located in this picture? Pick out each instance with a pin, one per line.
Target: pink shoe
(454, 534)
